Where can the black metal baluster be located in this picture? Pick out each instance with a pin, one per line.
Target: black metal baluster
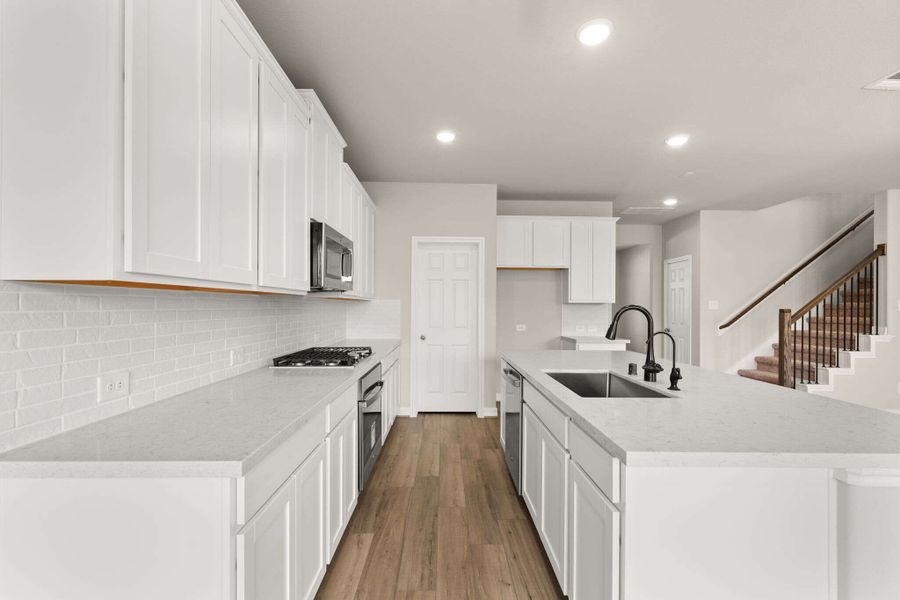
(821, 343)
(844, 312)
(794, 352)
(875, 291)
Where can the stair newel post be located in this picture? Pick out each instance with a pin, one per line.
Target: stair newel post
(785, 354)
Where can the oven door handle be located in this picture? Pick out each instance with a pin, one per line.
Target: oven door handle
(372, 393)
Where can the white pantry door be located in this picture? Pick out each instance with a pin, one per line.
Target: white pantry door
(678, 308)
(445, 339)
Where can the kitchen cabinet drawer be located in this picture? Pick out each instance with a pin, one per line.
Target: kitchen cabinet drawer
(254, 488)
(603, 468)
(338, 408)
(553, 419)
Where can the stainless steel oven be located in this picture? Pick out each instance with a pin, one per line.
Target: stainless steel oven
(331, 259)
(369, 423)
(512, 422)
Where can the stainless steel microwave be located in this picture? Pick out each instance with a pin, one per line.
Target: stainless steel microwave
(331, 259)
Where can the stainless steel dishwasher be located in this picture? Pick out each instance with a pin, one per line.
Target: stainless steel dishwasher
(512, 419)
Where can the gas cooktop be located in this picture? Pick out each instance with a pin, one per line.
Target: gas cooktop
(324, 356)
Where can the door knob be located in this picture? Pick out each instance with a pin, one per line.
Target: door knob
(422, 337)
(667, 330)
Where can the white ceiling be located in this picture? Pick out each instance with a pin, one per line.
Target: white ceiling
(770, 91)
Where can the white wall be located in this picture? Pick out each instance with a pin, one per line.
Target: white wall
(649, 236)
(633, 286)
(55, 340)
(434, 209)
(533, 299)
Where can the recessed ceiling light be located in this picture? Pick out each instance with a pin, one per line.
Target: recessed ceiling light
(445, 136)
(670, 201)
(678, 140)
(594, 33)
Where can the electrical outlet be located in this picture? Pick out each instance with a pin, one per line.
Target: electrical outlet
(592, 329)
(114, 385)
(237, 356)
(521, 327)
(579, 329)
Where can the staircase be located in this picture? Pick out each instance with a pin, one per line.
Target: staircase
(837, 327)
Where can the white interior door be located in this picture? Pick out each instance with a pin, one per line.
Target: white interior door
(445, 336)
(678, 307)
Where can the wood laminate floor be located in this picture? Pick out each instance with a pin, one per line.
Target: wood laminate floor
(440, 520)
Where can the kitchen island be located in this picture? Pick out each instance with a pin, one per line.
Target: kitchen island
(729, 488)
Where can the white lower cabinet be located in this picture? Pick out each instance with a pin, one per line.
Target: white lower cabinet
(343, 487)
(281, 550)
(390, 398)
(544, 487)
(310, 494)
(266, 549)
(593, 548)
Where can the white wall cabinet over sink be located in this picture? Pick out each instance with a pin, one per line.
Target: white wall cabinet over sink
(533, 242)
(147, 169)
(592, 273)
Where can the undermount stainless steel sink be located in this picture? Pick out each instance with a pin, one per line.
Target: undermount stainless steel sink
(603, 384)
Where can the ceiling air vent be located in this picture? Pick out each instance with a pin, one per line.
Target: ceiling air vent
(891, 83)
(646, 210)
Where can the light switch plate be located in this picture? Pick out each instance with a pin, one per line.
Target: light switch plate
(113, 385)
(521, 327)
(713, 305)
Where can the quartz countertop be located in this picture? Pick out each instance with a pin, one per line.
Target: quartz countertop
(718, 419)
(220, 430)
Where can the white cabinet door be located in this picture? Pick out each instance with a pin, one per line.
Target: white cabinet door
(593, 540)
(581, 287)
(554, 468)
(370, 249)
(266, 548)
(604, 261)
(350, 469)
(318, 201)
(167, 104)
(298, 207)
(310, 524)
(335, 157)
(337, 448)
(514, 242)
(234, 82)
(348, 196)
(278, 218)
(592, 270)
(551, 242)
(532, 464)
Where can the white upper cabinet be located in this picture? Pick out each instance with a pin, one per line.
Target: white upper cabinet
(586, 246)
(167, 196)
(234, 80)
(283, 182)
(533, 242)
(551, 242)
(362, 233)
(592, 274)
(514, 242)
(326, 171)
(177, 132)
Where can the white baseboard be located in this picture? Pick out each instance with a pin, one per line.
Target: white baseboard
(487, 412)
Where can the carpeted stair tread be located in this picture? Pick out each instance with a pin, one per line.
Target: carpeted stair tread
(759, 375)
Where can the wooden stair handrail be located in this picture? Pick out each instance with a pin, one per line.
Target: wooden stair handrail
(774, 287)
(880, 250)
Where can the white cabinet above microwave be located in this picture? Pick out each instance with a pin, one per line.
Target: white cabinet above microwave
(326, 169)
(163, 146)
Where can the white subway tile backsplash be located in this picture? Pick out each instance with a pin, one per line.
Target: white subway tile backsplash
(55, 340)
